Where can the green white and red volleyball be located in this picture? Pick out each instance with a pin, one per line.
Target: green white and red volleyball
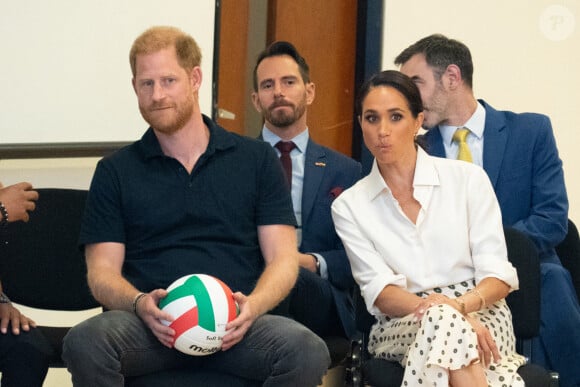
(201, 306)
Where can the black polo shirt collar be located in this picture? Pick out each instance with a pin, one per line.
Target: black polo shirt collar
(219, 139)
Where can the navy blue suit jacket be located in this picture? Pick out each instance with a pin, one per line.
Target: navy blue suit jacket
(521, 159)
(326, 174)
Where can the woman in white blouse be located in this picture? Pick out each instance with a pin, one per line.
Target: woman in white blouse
(425, 241)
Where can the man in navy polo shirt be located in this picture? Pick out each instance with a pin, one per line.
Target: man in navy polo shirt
(188, 198)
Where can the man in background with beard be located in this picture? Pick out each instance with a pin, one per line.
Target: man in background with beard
(322, 296)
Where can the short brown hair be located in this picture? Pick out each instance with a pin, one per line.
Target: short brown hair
(161, 37)
(440, 52)
(281, 48)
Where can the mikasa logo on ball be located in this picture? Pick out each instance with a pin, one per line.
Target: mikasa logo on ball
(203, 351)
(202, 306)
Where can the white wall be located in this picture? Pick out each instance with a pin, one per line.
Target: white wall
(526, 57)
(65, 74)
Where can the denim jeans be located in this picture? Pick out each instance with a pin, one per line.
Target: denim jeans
(276, 351)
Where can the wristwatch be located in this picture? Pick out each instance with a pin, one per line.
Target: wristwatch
(4, 298)
(317, 264)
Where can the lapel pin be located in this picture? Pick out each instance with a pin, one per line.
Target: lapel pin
(320, 164)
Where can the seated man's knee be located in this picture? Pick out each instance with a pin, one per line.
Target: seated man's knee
(305, 349)
(314, 351)
(89, 335)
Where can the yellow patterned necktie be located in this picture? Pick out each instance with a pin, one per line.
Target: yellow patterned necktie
(459, 137)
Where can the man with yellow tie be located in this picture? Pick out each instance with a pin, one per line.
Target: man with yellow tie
(519, 154)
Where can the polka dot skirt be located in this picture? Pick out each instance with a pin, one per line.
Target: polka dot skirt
(443, 340)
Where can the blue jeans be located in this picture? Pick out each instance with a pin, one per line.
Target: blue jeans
(276, 351)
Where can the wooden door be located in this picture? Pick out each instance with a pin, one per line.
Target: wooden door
(325, 34)
(231, 91)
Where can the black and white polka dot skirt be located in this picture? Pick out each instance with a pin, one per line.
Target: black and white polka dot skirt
(444, 340)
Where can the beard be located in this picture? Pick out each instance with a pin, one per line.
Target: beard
(282, 117)
(435, 110)
(168, 120)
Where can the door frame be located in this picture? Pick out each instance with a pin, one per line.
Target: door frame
(368, 62)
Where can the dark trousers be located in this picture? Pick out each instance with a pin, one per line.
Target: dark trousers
(558, 344)
(24, 358)
(311, 303)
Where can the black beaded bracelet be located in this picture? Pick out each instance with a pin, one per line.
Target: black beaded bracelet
(136, 300)
(4, 214)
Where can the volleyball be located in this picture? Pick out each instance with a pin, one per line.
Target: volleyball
(201, 306)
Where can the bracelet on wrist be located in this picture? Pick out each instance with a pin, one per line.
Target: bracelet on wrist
(461, 304)
(481, 298)
(4, 298)
(136, 300)
(4, 213)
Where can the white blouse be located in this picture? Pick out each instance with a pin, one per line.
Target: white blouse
(458, 236)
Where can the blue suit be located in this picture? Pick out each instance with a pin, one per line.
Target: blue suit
(324, 305)
(326, 174)
(521, 159)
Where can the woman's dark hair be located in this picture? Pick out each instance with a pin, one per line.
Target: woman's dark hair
(397, 80)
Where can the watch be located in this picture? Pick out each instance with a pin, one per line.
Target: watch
(317, 264)
(4, 298)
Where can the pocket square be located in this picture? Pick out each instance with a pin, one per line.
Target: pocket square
(335, 192)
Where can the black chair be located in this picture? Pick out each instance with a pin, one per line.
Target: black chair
(524, 304)
(41, 265)
(569, 252)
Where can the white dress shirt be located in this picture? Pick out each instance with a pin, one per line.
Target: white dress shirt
(458, 235)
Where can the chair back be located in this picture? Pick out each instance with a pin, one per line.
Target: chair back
(41, 265)
(569, 252)
(364, 320)
(525, 302)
